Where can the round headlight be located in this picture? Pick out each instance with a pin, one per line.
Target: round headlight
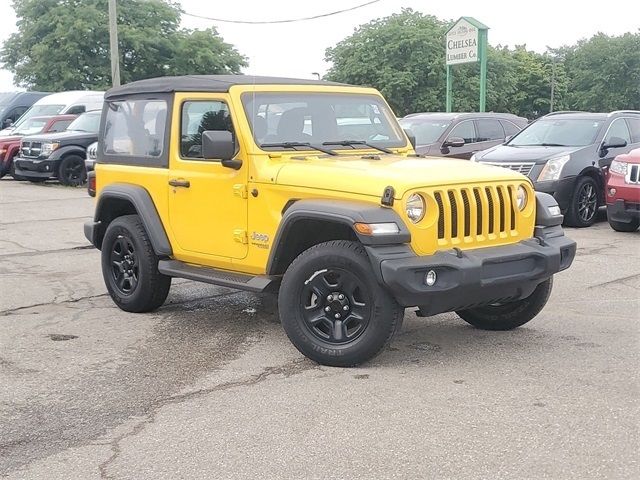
(521, 197)
(415, 208)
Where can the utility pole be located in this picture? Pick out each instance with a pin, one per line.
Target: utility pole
(113, 44)
(553, 79)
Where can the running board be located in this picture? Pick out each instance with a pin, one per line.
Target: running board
(250, 283)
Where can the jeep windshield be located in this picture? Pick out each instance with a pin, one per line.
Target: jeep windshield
(283, 121)
(556, 132)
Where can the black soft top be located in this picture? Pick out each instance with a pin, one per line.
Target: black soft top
(203, 83)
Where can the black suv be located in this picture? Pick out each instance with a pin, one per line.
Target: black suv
(566, 153)
(61, 154)
(460, 135)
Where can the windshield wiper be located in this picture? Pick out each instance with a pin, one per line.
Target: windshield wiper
(299, 144)
(542, 145)
(352, 143)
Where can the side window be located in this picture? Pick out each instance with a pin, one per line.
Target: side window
(509, 128)
(634, 127)
(16, 113)
(489, 129)
(135, 128)
(77, 110)
(59, 126)
(618, 129)
(464, 130)
(198, 117)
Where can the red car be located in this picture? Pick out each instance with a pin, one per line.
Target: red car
(9, 146)
(623, 192)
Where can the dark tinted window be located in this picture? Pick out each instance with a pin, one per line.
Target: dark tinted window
(60, 125)
(76, 110)
(489, 129)
(464, 130)
(198, 117)
(509, 128)
(634, 126)
(134, 127)
(618, 129)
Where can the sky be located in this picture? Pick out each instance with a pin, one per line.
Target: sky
(297, 49)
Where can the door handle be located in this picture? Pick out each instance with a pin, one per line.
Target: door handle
(179, 182)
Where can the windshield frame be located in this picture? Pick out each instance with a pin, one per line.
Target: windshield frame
(546, 119)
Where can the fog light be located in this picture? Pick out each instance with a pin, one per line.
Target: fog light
(430, 278)
(612, 192)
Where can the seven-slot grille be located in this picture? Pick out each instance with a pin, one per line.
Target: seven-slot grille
(461, 213)
(30, 149)
(523, 168)
(633, 173)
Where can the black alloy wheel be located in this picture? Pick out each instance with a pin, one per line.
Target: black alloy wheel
(72, 171)
(124, 265)
(583, 203)
(335, 306)
(587, 202)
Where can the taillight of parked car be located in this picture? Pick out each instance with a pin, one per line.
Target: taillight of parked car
(91, 183)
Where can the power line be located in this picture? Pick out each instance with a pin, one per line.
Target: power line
(290, 20)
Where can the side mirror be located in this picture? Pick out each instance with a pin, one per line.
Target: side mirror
(507, 138)
(453, 142)
(412, 137)
(219, 144)
(7, 122)
(614, 142)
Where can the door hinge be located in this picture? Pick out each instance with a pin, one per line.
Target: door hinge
(240, 190)
(240, 236)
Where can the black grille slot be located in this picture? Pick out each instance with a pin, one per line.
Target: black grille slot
(454, 214)
(633, 177)
(467, 214)
(490, 201)
(512, 209)
(476, 193)
(502, 211)
(440, 215)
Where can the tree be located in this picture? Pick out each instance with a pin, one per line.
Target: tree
(64, 44)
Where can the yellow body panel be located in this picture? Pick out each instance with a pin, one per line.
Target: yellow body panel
(229, 218)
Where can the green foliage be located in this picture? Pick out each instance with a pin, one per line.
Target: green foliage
(403, 56)
(64, 44)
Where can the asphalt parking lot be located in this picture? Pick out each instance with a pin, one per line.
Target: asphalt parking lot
(210, 387)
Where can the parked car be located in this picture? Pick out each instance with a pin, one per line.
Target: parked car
(14, 104)
(460, 135)
(72, 103)
(89, 165)
(193, 183)
(10, 146)
(563, 152)
(623, 192)
(59, 155)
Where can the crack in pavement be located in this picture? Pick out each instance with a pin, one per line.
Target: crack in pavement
(47, 220)
(16, 244)
(35, 252)
(287, 370)
(614, 281)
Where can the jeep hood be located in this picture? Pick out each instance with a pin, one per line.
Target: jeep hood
(355, 174)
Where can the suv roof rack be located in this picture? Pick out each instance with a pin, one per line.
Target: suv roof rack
(559, 112)
(633, 112)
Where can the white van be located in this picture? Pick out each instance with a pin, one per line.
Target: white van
(73, 103)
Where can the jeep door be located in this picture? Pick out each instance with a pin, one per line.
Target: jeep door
(207, 201)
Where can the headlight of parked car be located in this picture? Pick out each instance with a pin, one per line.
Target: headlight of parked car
(48, 148)
(618, 167)
(553, 168)
(415, 208)
(521, 197)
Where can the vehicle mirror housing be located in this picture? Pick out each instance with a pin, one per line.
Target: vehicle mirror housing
(453, 142)
(411, 136)
(614, 142)
(219, 145)
(7, 122)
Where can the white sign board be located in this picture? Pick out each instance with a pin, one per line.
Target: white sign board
(462, 43)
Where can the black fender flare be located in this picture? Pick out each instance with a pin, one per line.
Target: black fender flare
(345, 212)
(141, 201)
(66, 150)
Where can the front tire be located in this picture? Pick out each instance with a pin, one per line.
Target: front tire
(12, 172)
(72, 172)
(510, 315)
(583, 205)
(130, 267)
(632, 226)
(332, 307)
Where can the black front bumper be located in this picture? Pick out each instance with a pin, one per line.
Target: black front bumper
(623, 212)
(465, 279)
(561, 190)
(31, 167)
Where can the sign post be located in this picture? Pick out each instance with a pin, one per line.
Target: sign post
(467, 43)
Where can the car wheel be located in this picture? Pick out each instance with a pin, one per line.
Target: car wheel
(632, 226)
(72, 172)
(584, 203)
(510, 315)
(130, 267)
(333, 308)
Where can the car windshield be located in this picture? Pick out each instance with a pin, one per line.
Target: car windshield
(38, 111)
(304, 120)
(87, 122)
(425, 130)
(558, 132)
(30, 127)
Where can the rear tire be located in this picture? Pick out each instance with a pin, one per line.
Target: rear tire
(130, 267)
(509, 315)
(583, 205)
(72, 172)
(332, 307)
(625, 227)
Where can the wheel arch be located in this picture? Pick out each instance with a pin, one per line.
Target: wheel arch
(121, 199)
(306, 223)
(598, 177)
(62, 152)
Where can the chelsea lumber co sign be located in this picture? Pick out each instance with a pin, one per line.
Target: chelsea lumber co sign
(462, 43)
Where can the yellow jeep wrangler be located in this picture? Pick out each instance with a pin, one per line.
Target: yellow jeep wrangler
(311, 189)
